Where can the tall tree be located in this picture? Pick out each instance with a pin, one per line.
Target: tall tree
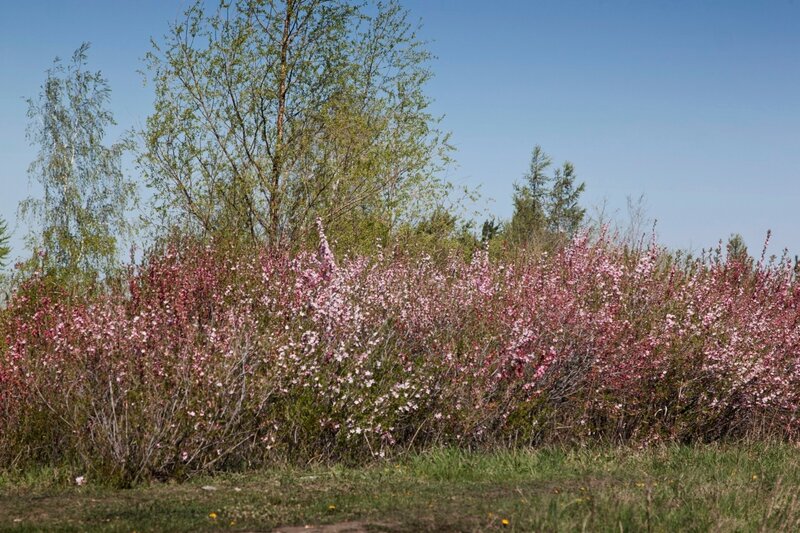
(564, 213)
(545, 207)
(270, 113)
(82, 213)
(530, 200)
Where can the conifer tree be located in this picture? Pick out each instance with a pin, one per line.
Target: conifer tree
(564, 215)
(736, 248)
(546, 207)
(530, 200)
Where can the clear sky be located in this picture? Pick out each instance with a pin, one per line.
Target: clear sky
(695, 104)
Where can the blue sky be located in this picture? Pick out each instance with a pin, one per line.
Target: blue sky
(694, 104)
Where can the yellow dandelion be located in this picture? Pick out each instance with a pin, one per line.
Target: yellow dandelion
(212, 516)
(505, 522)
(331, 507)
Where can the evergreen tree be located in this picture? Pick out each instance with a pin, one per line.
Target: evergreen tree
(736, 248)
(530, 200)
(564, 215)
(546, 207)
(491, 228)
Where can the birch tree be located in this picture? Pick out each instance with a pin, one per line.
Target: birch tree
(81, 215)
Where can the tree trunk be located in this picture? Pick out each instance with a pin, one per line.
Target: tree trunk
(277, 160)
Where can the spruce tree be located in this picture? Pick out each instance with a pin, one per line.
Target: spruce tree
(530, 201)
(546, 207)
(564, 213)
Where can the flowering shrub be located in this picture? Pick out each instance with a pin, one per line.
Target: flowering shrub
(208, 360)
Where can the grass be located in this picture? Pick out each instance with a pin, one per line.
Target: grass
(743, 487)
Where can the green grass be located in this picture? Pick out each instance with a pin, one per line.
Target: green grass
(746, 487)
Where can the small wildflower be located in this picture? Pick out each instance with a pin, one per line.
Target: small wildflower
(331, 507)
(505, 522)
(212, 515)
(80, 480)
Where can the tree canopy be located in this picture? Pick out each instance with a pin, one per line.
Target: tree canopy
(271, 113)
(79, 219)
(545, 206)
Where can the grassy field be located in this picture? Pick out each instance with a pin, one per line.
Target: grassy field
(711, 488)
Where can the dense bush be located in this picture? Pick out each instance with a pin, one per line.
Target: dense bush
(210, 360)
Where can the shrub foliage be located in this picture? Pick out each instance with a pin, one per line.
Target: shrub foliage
(207, 360)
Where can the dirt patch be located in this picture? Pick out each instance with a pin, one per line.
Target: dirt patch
(343, 527)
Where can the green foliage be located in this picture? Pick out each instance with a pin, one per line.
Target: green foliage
(271, 113)
(565, 215)
(440, 223)
(81, 216)
(491, 228)
(744, 487)
(5, 238)
(438, 235)
(530, 198)
(737, 249)
(546, 207)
